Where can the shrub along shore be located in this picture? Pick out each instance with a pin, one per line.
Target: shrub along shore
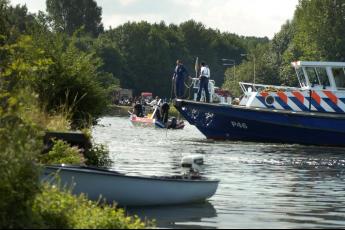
(48, 83)
(25, 202)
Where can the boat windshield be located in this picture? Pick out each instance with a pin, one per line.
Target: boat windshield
(339, 77)
(301, 77)
(323, 76)
(318, 76)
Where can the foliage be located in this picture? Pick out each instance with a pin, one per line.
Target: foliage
(20, 145)
(18, 176)
(62, 153)
(71, 15)
(149, 52)
(60, 209)
(20, 136)
(320, 27)
(98, 156)
(57, 70)
(4, 23)
(315, 34)
(31, 112)
(71, 83)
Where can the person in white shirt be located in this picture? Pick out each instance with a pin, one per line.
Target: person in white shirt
(204, 79)
(156, 105)
(154, 102)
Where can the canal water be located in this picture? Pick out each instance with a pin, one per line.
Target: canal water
(262, 185)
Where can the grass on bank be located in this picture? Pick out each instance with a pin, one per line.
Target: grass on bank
(58, 208)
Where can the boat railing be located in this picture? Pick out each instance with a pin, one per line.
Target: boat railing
(251, 87)
(196, 83)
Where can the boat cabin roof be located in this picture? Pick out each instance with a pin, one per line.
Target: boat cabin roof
(300, 64)
(320, 75)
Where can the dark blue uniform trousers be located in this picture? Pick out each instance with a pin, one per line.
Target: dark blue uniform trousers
(203, 86)
(179, 87)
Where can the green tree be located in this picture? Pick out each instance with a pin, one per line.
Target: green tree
(72, 80)
(19, 139)
(4, 25)
(112, 61)
(71, 15)
(320, 29)
(146, 54)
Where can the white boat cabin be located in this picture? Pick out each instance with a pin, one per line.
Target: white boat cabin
(322, 89)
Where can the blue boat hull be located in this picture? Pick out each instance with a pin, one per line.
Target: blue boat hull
(237, 123)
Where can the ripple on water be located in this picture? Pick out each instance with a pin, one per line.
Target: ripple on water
(262, 185)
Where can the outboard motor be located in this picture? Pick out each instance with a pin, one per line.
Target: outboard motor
(192, 166)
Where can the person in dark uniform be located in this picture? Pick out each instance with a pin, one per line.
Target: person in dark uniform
(179, 77)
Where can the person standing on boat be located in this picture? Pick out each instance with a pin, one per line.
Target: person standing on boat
(178, 78)
(205, 75)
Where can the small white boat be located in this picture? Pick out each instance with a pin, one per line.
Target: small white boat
(132, 190)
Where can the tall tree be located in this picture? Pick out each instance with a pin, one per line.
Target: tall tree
(71, 15)
(320, 29)
(4, 25)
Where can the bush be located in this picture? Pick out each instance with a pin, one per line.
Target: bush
(98, 156)
(62, 153)
(71, 80)
(60, 209)
(19, 181)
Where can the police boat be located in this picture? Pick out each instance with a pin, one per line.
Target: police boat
(311, 114)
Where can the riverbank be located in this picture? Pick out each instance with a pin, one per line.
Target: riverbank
(27, 201)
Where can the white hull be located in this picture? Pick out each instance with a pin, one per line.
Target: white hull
(133, 191)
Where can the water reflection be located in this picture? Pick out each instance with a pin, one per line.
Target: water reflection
(262, 185)
(183, 216)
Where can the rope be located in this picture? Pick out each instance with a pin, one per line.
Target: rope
(173, 92)
(189, 87)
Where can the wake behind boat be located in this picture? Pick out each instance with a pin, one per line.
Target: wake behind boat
(313, 114)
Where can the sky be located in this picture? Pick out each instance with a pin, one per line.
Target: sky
(260, 18)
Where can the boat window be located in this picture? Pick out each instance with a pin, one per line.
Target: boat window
(339, 77)
(301, 78)
(312, 75)
(323, 76)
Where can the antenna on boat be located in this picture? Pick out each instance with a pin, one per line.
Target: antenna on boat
(196, 67)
